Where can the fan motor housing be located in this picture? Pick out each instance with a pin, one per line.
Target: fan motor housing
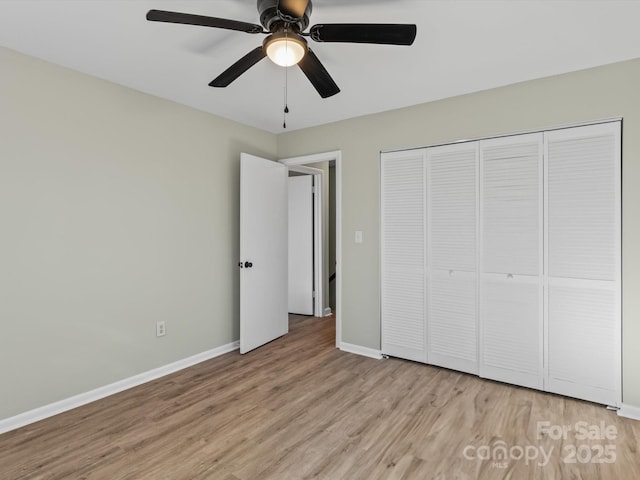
(272, 21)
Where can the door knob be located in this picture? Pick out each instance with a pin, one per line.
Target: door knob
(248, 264)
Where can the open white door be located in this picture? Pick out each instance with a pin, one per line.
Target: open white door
(301, 245)
(263, 251)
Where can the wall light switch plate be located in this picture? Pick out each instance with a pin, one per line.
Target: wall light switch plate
(160, 329)
(359, 238)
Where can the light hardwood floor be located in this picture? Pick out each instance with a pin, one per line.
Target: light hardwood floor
(298, 408)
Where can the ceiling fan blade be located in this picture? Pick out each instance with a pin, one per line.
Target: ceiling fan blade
(378, 33)
(293, 8)
(238, 68)
(318, 75)
(189, 19)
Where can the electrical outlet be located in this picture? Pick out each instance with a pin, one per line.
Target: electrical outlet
(160, 329)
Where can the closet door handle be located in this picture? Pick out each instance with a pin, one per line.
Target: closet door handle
(248, 264)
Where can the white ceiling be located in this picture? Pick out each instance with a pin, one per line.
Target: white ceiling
(462, 46)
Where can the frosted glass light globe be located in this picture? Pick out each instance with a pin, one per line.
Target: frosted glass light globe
(285, 51)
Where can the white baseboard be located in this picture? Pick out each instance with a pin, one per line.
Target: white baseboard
(327, 312)
(359, 350)
(629, 411)
(55, 408)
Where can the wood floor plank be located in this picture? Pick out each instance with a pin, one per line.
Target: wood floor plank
(298, 408)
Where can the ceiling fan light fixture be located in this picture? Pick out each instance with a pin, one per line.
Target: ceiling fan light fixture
(285, 48)
(285, 21)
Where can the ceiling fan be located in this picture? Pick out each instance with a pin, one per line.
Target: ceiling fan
(284, 21)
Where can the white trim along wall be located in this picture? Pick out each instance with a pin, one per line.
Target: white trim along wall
(70, 403)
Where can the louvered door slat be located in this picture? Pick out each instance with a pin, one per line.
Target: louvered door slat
(403, 255)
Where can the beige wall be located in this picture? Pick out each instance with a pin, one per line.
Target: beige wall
(117, 209)
(600, 93)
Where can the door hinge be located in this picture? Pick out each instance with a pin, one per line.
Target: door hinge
(313, 295)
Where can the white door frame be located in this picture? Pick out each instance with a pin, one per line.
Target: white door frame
(318, 236)
(336, 157)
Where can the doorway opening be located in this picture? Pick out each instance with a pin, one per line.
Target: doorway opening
(327, 169)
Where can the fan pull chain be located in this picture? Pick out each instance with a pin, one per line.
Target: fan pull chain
(286, 92)
(286, 105)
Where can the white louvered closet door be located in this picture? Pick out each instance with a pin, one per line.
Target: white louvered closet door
(403, 255)
(452, 334)
(583, 256)
(511, 235)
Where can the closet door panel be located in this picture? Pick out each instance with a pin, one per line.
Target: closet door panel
(511, 333)
(583, 262)
(453, 339)
(583, 358)
(511, 314)
(582, 200)
(403, 300)
(452, 191)
(511, 204)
